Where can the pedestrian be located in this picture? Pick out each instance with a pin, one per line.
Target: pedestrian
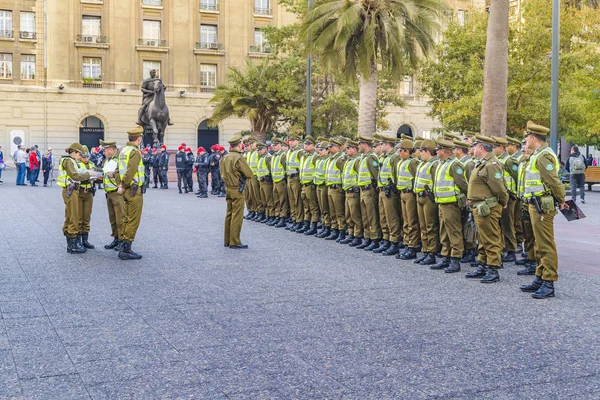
(530, 260)
(155, 168)
(310, 203)
(235, 172)
(215, 158)
(47, 165)
(351, 190)
(576, 165)
(222, 153)
(292, 171)
(2, 164)
(542, 191)
(202, 164)
(335, 193)
(147, 161)
(250, 193)
(131, 177)
(189, 171)
(34, 167)
(20, 158)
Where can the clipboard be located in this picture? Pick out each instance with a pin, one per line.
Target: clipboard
(573, 212)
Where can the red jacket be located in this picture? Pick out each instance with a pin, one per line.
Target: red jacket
(34, 163)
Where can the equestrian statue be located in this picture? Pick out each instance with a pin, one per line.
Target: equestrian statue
(154, 112)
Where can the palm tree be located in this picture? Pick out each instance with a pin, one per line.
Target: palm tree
(357, 37)
(495, 71)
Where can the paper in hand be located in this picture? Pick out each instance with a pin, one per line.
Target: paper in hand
(573, 212)
(110, 166)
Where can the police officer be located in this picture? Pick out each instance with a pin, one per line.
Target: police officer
(155, 168)
(202, 164)
(215, 158)
(131, 181)
(114, 201)
(487, 196)
(252, 191)
(462, 153)
(292, 171)
(280, 191)
(427, 210)
(310, 203)
(450, 188)
(263, 174)
(163, 165)
(335, 193)
(321, 164)
(530, 260)
(189, 172)
(406, 171)
(234, 171)
(147, 160)
(352, 195)
(368, 172)
(181, 167)
(87, 191)
(513, 149)
(543, 190)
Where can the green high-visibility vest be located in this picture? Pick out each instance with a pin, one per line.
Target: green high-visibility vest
(424, 177)
(404, 177)
(124, 157)
(350, 178)
(445, 188)
(307, 168)
(277, 170)
(334, 174)
(321, 170)
(534, 186)
(63, 177)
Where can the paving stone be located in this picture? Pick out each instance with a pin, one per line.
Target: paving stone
(55, 387)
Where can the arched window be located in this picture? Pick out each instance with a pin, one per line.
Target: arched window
(404, 130)
(207, 135)
(91, 131)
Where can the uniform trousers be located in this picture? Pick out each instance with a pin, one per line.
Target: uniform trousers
(215, 184)
(451, 230)
(469, 230)
(189, 179)
(116, 212)
(295, 197)
(529, 240)
(133, 214)
(71, 225)
(369, 210)
(280, 200)
(266, 198)
(310, 203)
(518, 218)
(322, 197)
(335, 198)
(163, 176)
(391, 207)
(155, 175)
(202, 176)
(86, 202)
(353, 214)
(508, 226)
(408, 202)
(254, 195)
(428, 224)
(234, 216)
(181, 178)
(545, 246)
(385, 231)
(490, 240)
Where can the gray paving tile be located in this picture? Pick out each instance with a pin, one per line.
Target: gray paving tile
(55, 387)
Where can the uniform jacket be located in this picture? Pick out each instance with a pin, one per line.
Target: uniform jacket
(214, 161)
(203, 162)
(180, 161)
(164, 160)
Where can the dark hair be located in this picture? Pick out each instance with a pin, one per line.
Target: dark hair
(562, 163)
(540, 137)
(487, 147)
(575, 149)
(133, 138)
(27, 150)
(465, 151)
(430, 150)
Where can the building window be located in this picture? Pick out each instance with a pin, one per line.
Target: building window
(5, 66)
(151, 30)
(92, 68)
(262, 7)
(406, 86)
(150, 65)
(210, 5)
(208, 35)
(259, 40)
(6, 29)
(90, 26)
(462, 17)
(208, 75)
(27, 67)
(27, 27)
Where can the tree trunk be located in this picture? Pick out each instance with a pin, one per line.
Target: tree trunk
(495, 72)
(258, 131)
(367, 106)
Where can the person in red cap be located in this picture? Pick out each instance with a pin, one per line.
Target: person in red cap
(215, 172)
(189, 171)
(163, 166)
(202, 165)
(154, 162)
(147, 161)
(181, 166)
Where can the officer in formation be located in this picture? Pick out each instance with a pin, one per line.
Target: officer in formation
(181, 165)
(201, 164)
(215, 171)
(453, 197)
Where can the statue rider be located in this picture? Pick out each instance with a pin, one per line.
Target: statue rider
(148, 90)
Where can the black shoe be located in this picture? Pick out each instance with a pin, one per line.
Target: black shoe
(365, 243)
(374, 245)
(478, 272)
(533, 286)
(522, 261)
(445, 263)
(392, 250)
(355, 242)
(239, 246)
(304, 227)
(325, 232)
(126, 253)
(180, 192)
(547, 289)
(409, 254)
(509, 257)
(119, 246)
(454, 266)
(429, 260)
(222, 195)
(203, 195)
(347, 240)
(529, 269)
(280, 224)
(112, 245)
(491, 275)
(383, 245)
(420, 258)
(401, 245)
(84, 241)
(272, 221)
(313, 229)
(333, 235)
(164, 187)
(291, 227)
(80, 241)
(74, 247)
(341, 235)
(155, 186)
(263, 218)
(469, 257)
(250, 215)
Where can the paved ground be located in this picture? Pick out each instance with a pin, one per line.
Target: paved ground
(292, 317)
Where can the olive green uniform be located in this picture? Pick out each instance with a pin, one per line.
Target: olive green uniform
(369, 202)
(133, 203)
(408, 201)
(72, 211)
(528, 238)
(352, 195)
(292, 170)
(266, 185)
(114, 202)
(280, 192)
(518, 217)
(427, 211)
(508, 214)
(391, 203)
(322, 193)
(86, 200)
(252, 190)
(233, 167)
(310, 203)
(469, 227)
(335, 194)
(488, 195)
(450, 213)
(385, 231)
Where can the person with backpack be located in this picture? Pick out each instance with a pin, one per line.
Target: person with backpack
(576, 165)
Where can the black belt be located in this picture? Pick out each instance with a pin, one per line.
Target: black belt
(366, 187)
(293, 175)
(308, 184)
(334, 186)
(422, 194)
(266, 179)
(353, 190)
(84, 190)
(407, 190)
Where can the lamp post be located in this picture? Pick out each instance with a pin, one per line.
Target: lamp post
(555, 63)
(308, 91)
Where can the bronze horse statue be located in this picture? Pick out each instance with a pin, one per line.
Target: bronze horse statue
(156, 114)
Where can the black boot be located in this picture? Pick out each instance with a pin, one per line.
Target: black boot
(374, 245)
(392, 250)
(341, 235)
(491, 275)
(291, 227)
(478, 272)
(469, 257)
(112, 245)
(76, 247)
(429, 260)
(545, 291)
(454, 266)
(421, 258)
(356, 241)
(509, 257)
(442, 264)
(533, 286)
(365, 243)
(347, 240)
(312, 230)
(274, 221)
(155, 186)
(522, 261)
(280, 224)
(304, 227)
(180, 191)
(84, 241)
(263, 218)
(126, 253)
(383, 245)
(530, 268)
(249, 215)
(323, 233)
(333, 235)
(119, 246)
(409, 254)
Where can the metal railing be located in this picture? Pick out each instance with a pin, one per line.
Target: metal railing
(260, 49)
(262, 11)
(152, 2)
(152, 42)
(209, 5)
(7, 34)
(27, 35)
(91, 39)
(209, 46)
(207, 89)
(92, 85)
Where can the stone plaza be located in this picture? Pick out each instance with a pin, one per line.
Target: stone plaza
(291, 317)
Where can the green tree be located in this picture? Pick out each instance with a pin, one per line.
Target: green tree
(358, 37)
